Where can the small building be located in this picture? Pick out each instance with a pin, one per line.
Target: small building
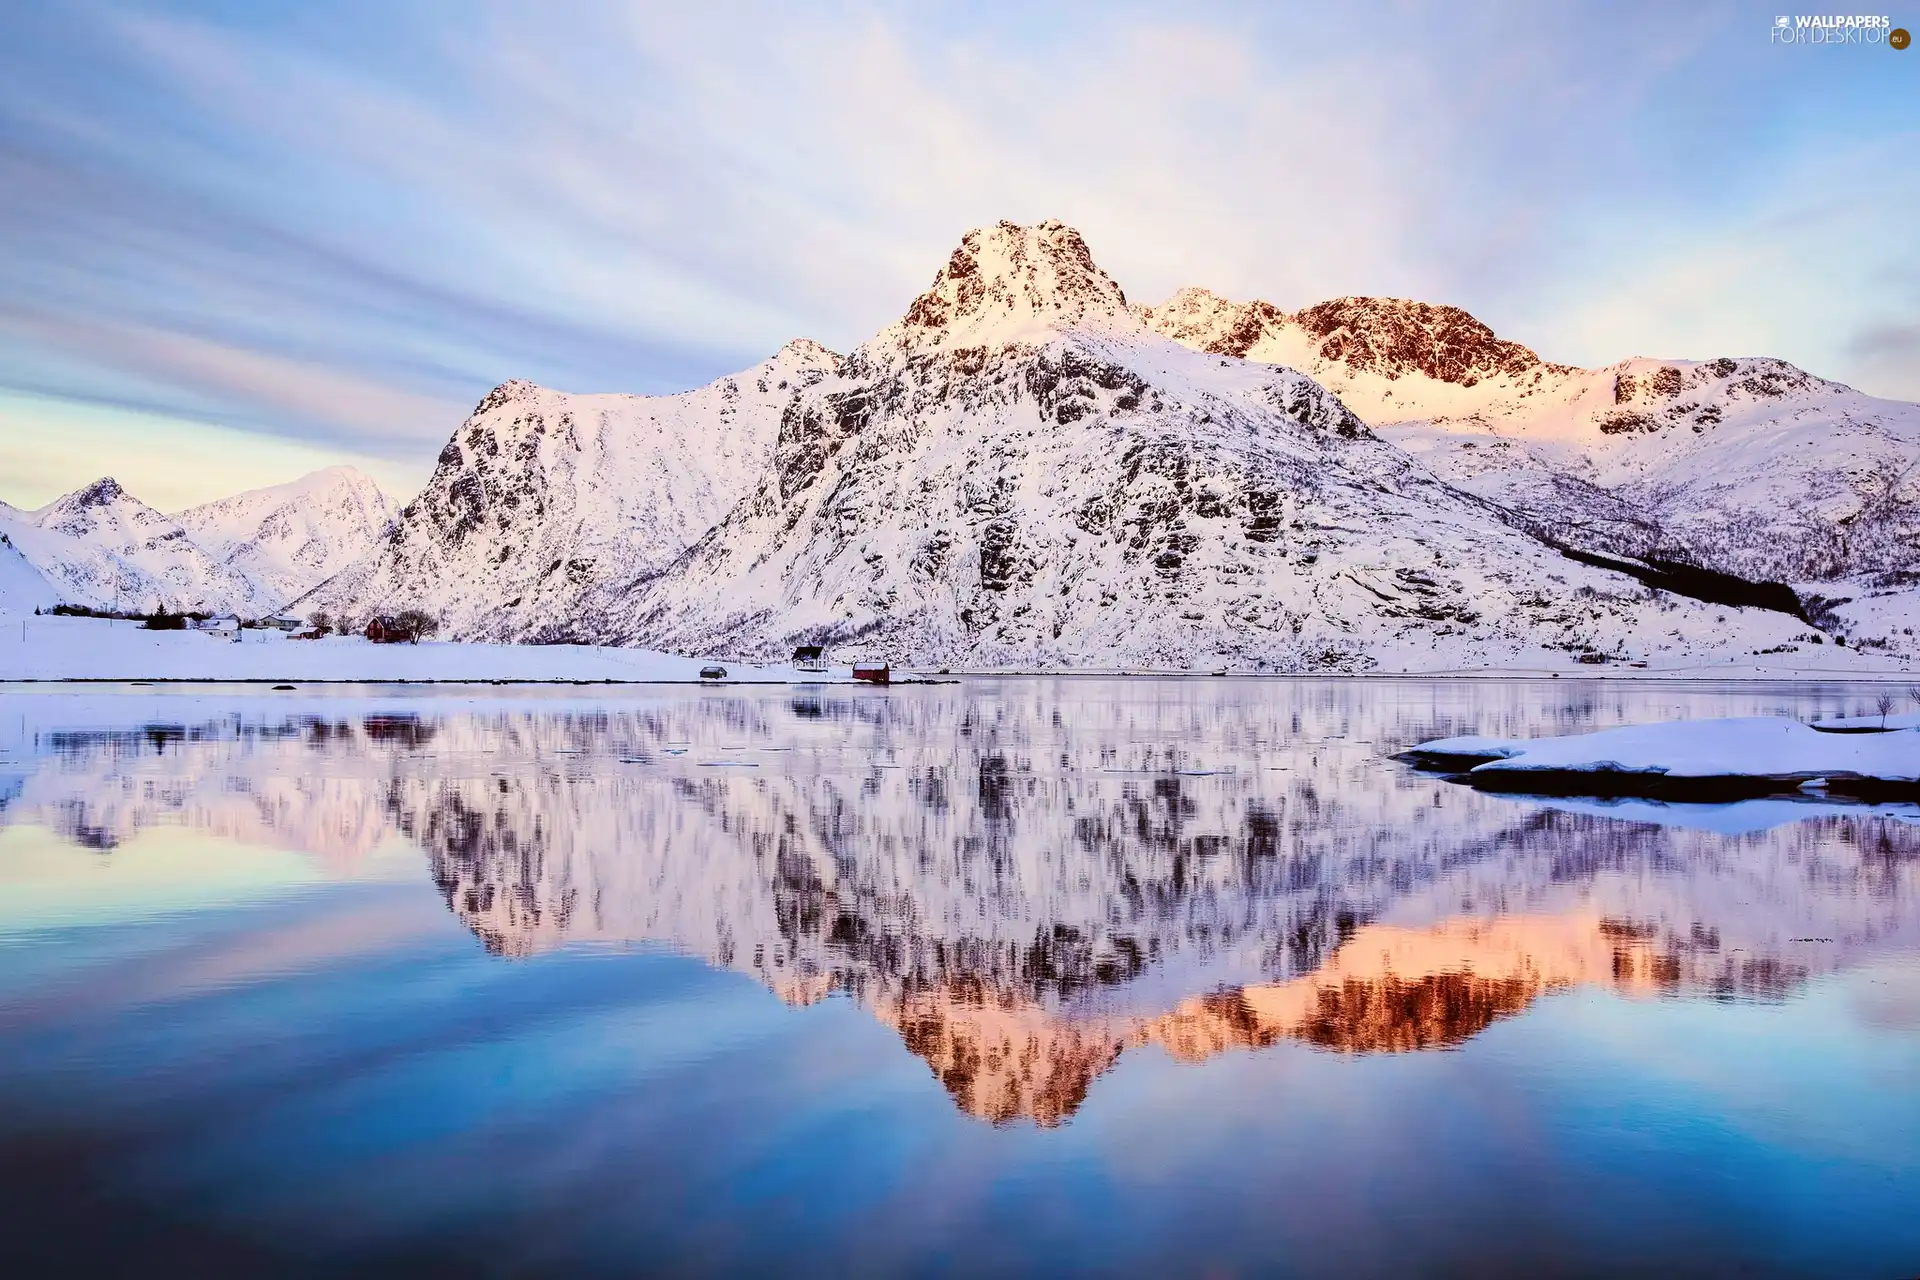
(279, 623)
(713, 673)
(378, 631)
(873, 672)
(809, 657)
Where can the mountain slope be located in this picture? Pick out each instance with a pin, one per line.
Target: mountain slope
(23, 588)
(542, 496)
(1022, 473)
(288, 538)
(102, 546)
(1746, 465)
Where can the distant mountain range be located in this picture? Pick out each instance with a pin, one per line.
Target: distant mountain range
(1029, 471)
(251, 554)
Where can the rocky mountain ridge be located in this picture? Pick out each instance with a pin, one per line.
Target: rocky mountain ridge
(1023, 473)
(285, 538)
(542, 497)
(1745, 465)
(1027, 470)
(1390, 338)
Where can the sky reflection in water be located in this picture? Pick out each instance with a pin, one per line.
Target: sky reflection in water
(1100, 975)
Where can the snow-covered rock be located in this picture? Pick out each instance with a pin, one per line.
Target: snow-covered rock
(288, 538)
(1022, 473)
(103, 547)
(1764, 748)
(1747, 465)
(543, 496)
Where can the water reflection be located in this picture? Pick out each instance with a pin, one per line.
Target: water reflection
(1025, 880)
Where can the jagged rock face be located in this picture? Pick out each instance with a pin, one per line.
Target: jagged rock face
(1207, 322)
(1394, 337)
(1390, 338)
(1008, 279)
(1098, 495)
(103, 547)
(289, 538)
(541, 497)
(1749, 466)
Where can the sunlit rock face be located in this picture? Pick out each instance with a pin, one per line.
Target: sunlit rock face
(1748, 465)
(1027, 881)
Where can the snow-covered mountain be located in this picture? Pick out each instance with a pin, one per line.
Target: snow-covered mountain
(286, 538)
(1023, 472)
(542, 497)
(23, 588)
(102, 546)
(1026, 470)
(249, 554)
(1747, 465)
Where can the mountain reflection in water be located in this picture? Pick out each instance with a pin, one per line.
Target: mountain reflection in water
(1023, 879)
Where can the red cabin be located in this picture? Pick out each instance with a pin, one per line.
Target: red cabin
(873, 672)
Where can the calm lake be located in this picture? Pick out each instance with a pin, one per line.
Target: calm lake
(1025, 976)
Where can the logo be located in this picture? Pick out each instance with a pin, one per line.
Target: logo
(1837, 29)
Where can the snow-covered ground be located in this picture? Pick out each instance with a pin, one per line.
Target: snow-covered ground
(1772, 747)
(58, 648)
(49, 648)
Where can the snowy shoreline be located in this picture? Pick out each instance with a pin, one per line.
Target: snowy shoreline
(37, 650)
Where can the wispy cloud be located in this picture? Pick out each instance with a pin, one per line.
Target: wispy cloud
(341, 225)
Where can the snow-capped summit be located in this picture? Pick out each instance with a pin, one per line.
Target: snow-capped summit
(1009, 283)
(103, 492)
(287, 538)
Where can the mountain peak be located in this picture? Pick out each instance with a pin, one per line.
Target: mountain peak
(806, 354)
(1008, 280)
(806, 349)
(100, 493)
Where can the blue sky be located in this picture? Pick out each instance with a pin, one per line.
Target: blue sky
(240, 240)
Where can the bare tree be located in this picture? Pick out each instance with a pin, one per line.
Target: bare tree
(320, 620)
(413, 624)
(1884, 704)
